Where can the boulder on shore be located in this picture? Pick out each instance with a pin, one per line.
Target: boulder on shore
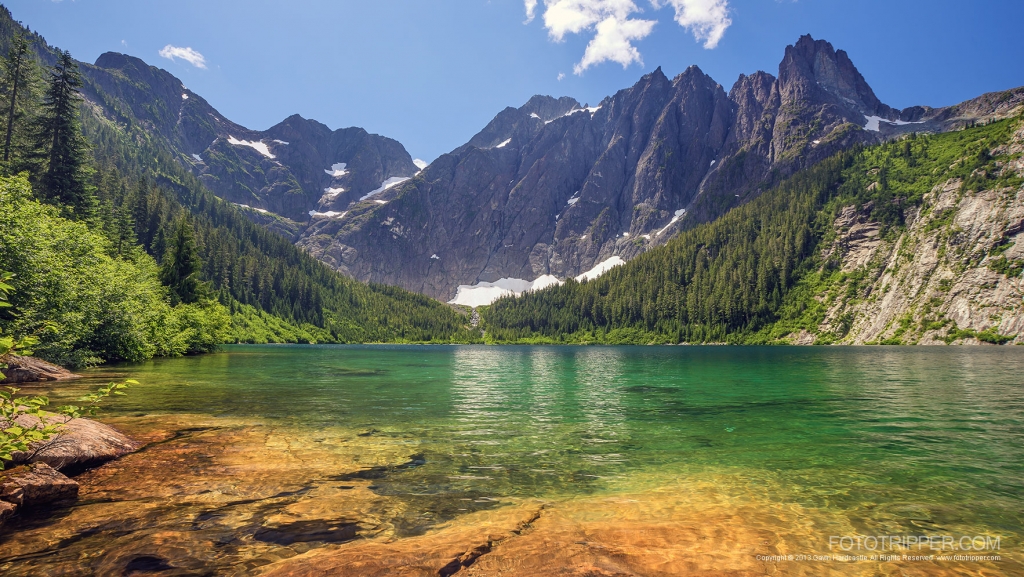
(6, 511)
(33, 486)
(36, 484)
(31, 370)
(81, 445)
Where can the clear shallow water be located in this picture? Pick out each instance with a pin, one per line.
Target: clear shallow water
(892, 440)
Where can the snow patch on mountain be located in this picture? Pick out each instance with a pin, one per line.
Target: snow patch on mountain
(389, 183)
(485, 293)
(256, 145)
(601, 268)
(874, 126)
(679, 214)
(328, 214)
(337, 170)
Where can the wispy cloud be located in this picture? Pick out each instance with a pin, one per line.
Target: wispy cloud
(531, 10)
(194, 58)
(705, 19)
(615, 29)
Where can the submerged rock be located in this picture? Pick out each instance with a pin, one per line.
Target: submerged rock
(31, 370)
(82, 444)
(316, 530)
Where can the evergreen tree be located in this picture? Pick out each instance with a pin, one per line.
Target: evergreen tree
(19, 71)
(181, 266)
(60, 144)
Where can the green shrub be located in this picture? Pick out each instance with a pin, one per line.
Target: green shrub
(86, 305)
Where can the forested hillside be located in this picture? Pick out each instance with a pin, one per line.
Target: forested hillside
(120, 253)
(808, 260)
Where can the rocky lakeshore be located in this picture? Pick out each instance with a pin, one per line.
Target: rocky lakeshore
(230, 497)
(40, 478)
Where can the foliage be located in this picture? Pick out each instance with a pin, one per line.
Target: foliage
(86, 303)
(1007, 267)
(17, 436)
(7, 343)
(251, 325)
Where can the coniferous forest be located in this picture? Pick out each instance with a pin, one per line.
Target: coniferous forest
(753, 275)
(118, 253)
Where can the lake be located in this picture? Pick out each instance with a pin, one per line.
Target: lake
(550, 460)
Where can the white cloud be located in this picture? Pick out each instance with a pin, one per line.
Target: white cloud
(187, 54)
(609, 20)
(561, 76)
(615, 29)
(613, 42)
(705, 19)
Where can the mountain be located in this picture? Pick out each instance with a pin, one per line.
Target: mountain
(296, 167)
(557, 188)
(142, 126)
(915, 241)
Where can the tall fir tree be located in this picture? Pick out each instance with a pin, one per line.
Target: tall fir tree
(181, 266)
(19, 90)
(59, 142)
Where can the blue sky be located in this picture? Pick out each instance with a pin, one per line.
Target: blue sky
(431, 73)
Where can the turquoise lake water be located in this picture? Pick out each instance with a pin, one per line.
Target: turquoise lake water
(891, 438)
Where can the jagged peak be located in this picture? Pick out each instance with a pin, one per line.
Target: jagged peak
(658, 74)
(548, 107)
(811, 64)
(759, 84)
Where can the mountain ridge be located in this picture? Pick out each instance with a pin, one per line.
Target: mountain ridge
(663, 146)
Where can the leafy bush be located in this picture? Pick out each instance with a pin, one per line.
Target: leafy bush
(85, 305)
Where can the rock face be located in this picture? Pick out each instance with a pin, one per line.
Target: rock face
(30, 370)
(287, 171)
(83, 444)
(554, 187)
(953, 276)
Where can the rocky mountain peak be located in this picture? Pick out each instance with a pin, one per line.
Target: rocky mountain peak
(811, 67)
(549, 108)
(118, 61)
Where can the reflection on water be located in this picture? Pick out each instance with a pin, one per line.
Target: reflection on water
(302, 447)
